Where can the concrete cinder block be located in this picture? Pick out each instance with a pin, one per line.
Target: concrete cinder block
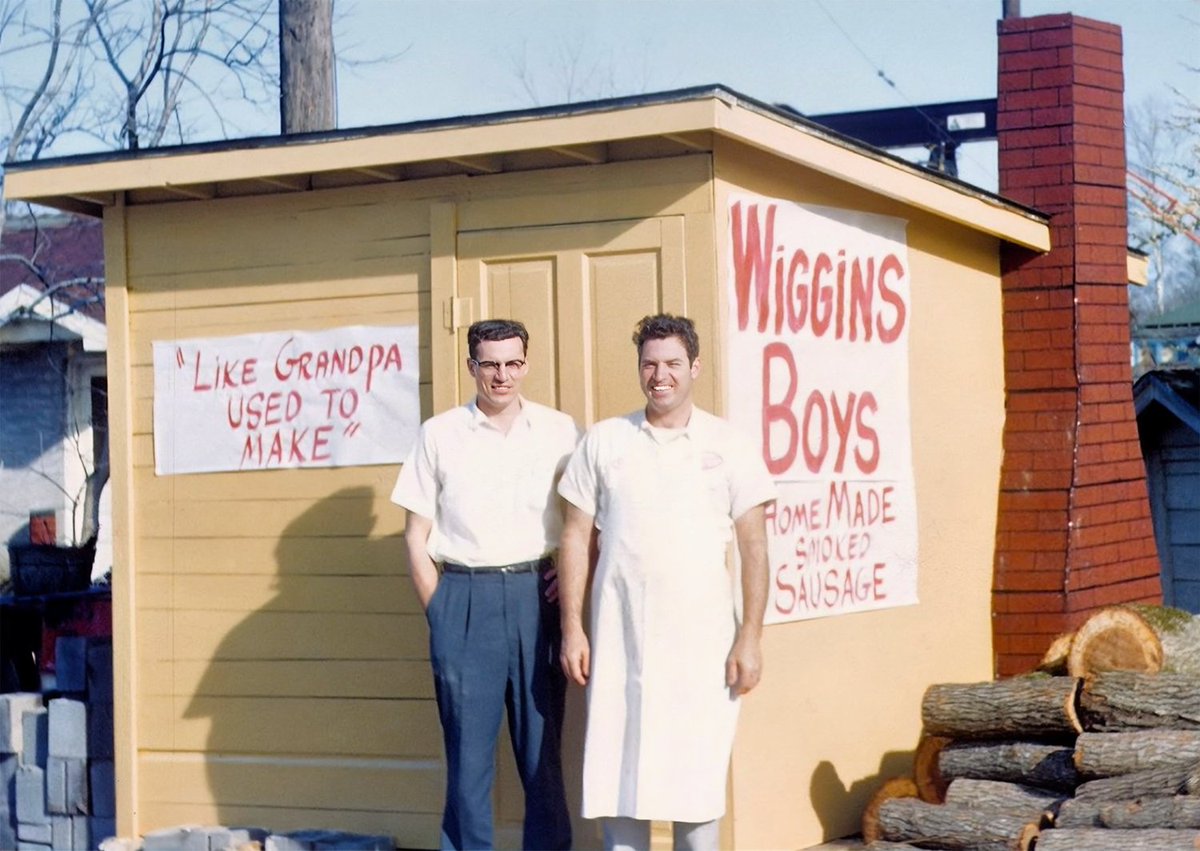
(104, 788)
(67, 786)
(36, 738)
(12, 707)
(68, 728)
(114, 842)
(31, 795)
(100, 730)
(70, 663)
(27, 832)
(182, 838)
(32, 846)
(70, 833)
(327, 840)
(99, 672)
(8, 799)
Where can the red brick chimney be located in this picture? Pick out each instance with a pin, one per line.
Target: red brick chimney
(1074, 531)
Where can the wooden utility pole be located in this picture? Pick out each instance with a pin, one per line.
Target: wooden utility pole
(307, 89)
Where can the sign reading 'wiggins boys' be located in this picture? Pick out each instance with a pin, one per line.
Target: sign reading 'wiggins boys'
(819, 310)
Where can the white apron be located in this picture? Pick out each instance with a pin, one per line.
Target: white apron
(660, 718)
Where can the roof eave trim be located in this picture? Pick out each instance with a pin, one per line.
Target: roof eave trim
(882, 175)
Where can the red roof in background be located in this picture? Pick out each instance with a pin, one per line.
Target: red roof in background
(67, 248)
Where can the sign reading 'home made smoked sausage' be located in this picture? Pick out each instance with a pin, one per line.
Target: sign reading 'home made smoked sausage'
(336, 398)
(819, 310)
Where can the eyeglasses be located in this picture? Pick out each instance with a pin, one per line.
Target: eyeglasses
(491, 367)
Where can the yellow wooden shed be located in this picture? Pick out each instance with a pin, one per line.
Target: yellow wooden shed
(271, 659)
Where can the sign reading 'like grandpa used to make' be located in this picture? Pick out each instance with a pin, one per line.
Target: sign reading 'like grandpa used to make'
(335, 398)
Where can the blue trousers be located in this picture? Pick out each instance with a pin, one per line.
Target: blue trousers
(493, 642)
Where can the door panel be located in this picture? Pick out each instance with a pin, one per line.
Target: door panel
(579, 289)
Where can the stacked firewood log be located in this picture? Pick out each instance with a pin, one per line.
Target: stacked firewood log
(1099, 750)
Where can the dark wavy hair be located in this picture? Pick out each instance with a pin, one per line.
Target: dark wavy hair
(495, 329)
(662, 326)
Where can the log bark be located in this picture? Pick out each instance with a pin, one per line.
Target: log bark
(1099, 839)
(931, 787)
(954, 826)
(1016, 798)
(1124, 700)
(1110, 754)
(1154, 783)
(883, 845)
(1114, 639)
(897, 787)
(1021, 707)
(1033, 763)
(1181, 811)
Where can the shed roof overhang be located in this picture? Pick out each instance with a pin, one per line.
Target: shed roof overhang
(658, 125)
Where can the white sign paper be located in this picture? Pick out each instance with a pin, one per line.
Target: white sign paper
(336, 398)
(819, 308)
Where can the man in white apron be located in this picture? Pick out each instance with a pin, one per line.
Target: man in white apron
(479, 490)
(666, 488)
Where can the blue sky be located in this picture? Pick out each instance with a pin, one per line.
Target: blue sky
(462, 57)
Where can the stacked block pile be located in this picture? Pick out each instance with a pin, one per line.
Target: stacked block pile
(200, 838)
(56, 755)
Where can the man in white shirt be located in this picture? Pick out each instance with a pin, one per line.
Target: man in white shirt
(479, 491)
(667, 487)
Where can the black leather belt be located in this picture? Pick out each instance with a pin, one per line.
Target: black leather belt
(534, 566)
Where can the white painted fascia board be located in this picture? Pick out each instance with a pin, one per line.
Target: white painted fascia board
(881, 175)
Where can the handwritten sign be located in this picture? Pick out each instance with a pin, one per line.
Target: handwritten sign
(336, 398)
(819, 308)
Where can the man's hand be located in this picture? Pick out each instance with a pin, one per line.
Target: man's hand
(743, 668)
(576, 656)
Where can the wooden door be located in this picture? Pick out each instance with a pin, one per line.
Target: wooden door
(579, 289)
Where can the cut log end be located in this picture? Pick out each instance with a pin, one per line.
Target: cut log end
(1054, 661)
(1115, 639)
(927, 774)
(897, 787)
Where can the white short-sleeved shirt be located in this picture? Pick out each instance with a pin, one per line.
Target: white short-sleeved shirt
(489, 494)
(738, 478)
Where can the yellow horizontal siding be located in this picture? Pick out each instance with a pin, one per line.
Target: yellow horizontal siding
(315, 783)
(236, 556)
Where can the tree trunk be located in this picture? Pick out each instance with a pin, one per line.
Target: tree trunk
(1018, 799)
(1033, 763)
(931, 787)
(307, 88)
(1118, 840)
(1022, 707)
(1122, 700)
(897, 787)
(1181, 811)
(954, 826)
(1154, 783)
(1110, 754)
